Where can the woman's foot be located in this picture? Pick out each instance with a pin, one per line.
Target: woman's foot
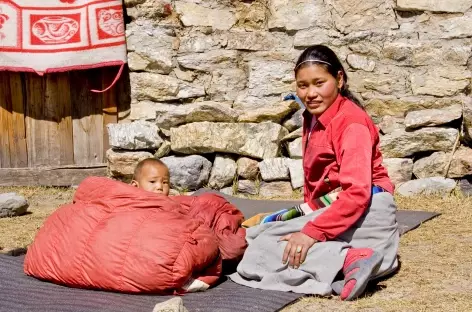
(360, 265)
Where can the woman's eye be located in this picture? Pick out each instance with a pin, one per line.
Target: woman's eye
(301, 86)
(319, 83)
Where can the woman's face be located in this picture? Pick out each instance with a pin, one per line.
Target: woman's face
(317, 88)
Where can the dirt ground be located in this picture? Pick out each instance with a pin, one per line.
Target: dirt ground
(436, 271)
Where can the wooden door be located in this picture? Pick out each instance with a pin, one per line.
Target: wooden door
(55, 124)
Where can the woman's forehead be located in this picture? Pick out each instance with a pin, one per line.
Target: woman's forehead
(312, 71)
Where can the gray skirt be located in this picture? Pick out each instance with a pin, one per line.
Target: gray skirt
(262, 267)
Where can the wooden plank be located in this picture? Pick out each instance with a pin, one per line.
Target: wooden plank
(49, 176)
(36, 125)
(4, 124)
(87, 117)
(109, 102)
(123, 90)
(18, 152)
(57, 109)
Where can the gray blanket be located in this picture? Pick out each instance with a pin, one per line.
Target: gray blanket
(262, 265)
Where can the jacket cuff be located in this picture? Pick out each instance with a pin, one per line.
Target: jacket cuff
(311, 231)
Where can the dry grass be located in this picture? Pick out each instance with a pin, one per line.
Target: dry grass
(19, 232)
(436, 272)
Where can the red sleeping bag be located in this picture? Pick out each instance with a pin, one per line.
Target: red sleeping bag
(121, 238)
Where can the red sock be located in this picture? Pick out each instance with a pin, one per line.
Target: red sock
(353, 255)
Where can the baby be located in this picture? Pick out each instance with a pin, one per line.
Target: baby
(152, 175)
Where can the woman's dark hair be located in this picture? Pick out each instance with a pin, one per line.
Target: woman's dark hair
(327, 58)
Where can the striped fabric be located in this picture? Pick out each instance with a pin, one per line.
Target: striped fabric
(296, 211)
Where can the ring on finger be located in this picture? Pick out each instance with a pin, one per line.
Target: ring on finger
(299, 249)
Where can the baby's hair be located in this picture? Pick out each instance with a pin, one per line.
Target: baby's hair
(147, 161)
(324, 56)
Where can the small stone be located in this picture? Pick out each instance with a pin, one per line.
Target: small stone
(390, 124)
(134, 136)
(188, 172)
(276, 190)
(295, 121)
(274, 169)
(247, 187)
(253, 17)
(208, 61)
(427, 186)
(435, 164)
(461, 164)
(223, 172)
(400, 143)
(293, 135)
(442, 81)
(274, 113)
(248, 168)
(297, 175)
(168, 115)
(228, 190)
(369, 15)
(289, 15)
(312, 36)
(451, 6)
(12, 205)
(121, 163)
(137, 62)
(466, 186)
(163, 150)
(432, 117)
(156, 87)
(295, 148)
(258, 140)
(172, 305)
(357, 61)
(257, 40)
(279, 73)
(431, 166)
(468, 120)
(456, 27)
(187, 75)
(226, 83)
(192, 14)
(400, 170)
(398, 107)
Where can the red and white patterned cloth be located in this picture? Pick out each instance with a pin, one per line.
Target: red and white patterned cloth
(61, 35)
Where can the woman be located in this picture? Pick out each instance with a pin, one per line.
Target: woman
(357, 234)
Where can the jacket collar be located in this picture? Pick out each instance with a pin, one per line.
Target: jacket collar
(328, 115)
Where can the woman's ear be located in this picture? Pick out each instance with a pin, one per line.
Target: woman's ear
(340, 79)
(134, 183)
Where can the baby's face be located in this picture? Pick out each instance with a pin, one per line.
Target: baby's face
(154, 178)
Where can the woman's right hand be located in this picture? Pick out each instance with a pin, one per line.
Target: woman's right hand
(297, 248)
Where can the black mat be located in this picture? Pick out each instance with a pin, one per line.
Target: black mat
(19, 292)
(407, 219)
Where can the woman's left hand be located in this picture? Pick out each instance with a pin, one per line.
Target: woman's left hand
(297, 248)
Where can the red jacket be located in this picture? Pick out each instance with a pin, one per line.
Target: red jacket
(121, 238)
(341, 151)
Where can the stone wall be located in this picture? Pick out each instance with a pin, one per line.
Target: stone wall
(208, 78)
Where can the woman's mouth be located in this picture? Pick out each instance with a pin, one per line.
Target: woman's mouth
(313, 104)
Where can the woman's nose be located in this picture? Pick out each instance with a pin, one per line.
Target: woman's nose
(312, 92)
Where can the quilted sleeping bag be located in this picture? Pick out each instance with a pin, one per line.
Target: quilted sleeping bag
(121, 238)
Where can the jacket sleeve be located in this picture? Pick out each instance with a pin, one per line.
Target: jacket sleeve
(353, 149)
